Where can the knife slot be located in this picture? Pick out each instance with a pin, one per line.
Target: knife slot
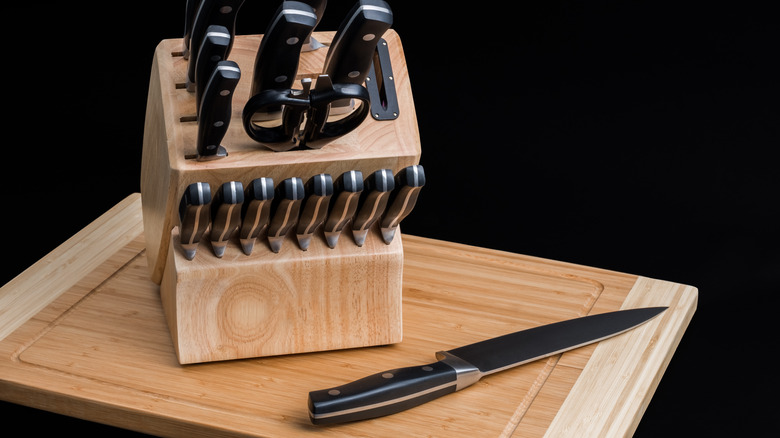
(191, 118)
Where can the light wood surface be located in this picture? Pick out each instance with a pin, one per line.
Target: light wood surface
(99, 349)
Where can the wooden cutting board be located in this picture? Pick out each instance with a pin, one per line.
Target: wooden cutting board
(82, 333)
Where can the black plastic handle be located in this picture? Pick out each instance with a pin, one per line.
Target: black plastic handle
(382, 394)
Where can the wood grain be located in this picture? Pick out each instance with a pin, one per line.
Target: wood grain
(100, 349)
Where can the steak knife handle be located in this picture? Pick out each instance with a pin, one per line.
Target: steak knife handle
(382, 394)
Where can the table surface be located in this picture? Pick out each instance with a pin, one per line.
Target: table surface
(82, 333)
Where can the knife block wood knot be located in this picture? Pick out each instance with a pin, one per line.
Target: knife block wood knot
(267, 303)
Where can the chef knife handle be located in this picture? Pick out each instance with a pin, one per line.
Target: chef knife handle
(382, 394)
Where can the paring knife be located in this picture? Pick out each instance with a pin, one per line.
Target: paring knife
(190, 9)
(276, 62)
(311, 43)
(284, 211)
(319, 190)
(194, 216)
(396, 390)
(408, 183)
(255, 212)
(210, 12)
(351, 53)
(373, 201)
(213, 50)
(216, 109)
(225, 215)
(343, 205)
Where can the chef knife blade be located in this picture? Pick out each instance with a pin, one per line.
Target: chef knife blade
(216, 109)
(396, 390)
(255, 211)
(343, 205)
(373, 201)
(194, 216)
(284, 210)
(213, 49)
(225, 215)
(408, 183)
(210, 12)
(319, 190)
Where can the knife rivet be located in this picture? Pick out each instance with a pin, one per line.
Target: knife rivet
(218, 123)
(280, 79)
(224, 92)
(388, 375)
(427, 368)
(226, 9)
(353, 74)
(334, 392)
(369, 37)
(292, 40)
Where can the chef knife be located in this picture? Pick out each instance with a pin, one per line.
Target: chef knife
(277, 58)
(319, 190)
(190, 9)
(216, 110)
(284, 211)
(396, 390)
(343, 205)
(225, 215)
(351, 53)
(210, 12)
(373, 201)
(408, 183)
(193, 216)
(255, 211)
(311, 43)
(213, 49)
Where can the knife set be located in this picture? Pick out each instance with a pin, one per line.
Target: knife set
(263, 247)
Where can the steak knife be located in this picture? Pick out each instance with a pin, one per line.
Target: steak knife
(210, 12)
(346, 194)
(255, 212)
(216, 110)
(194, 216)
(373, 201)
(284, 211)
(408, 183)
(225, 215)
(319, 190)
(399, 389)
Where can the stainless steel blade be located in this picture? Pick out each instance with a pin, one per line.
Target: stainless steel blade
(507, 351)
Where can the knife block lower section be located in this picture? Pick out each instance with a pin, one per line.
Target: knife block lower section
(293, 301)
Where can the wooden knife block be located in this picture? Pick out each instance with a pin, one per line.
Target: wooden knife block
(268, 303)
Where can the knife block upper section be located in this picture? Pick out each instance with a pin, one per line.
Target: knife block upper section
(170, 134)
(269, 303)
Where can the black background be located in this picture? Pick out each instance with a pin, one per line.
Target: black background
(636, 136)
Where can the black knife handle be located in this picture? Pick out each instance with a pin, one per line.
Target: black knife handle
(225, 214)
(210, 12)
(408, 183)
(284, 210)
(351, 53)
(216, 110)
(382, 394)
(194, 216)
(373, 201)
(319, 190)
(213, 50)
(276, 62)
(255, 212)
(346, 189)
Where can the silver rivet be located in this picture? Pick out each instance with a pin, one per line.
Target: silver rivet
(226, 9)
(224, 92)
(388, 375)
(218, 123)
(292, 40)
(334, 392)
(369, 37)
(353, 74)
(427, 368)
(280, 79)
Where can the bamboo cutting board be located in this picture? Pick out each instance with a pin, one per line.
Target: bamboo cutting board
(82, 333)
